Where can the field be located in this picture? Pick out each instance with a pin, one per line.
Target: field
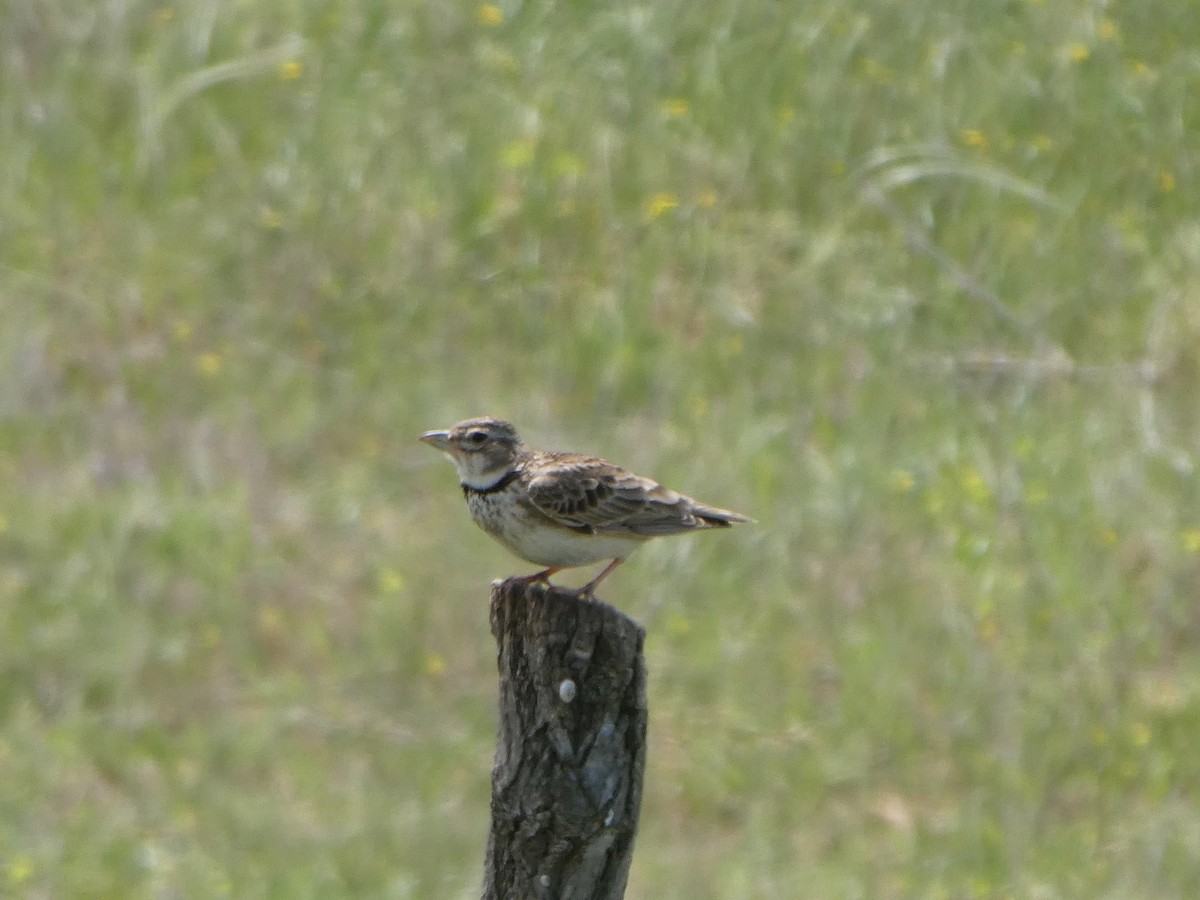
(917, 286)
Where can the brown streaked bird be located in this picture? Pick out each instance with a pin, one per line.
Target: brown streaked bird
(562, 510)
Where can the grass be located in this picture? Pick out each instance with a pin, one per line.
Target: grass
(914, 286)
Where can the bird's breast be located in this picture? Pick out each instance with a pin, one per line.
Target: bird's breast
(535, 538)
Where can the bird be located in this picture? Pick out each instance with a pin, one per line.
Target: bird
(562, 510)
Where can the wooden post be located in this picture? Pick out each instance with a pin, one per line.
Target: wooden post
(567, 780)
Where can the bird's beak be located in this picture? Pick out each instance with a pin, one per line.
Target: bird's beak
(439, 440)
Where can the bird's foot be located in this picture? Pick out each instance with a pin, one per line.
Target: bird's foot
(588, 591)
(542, 577)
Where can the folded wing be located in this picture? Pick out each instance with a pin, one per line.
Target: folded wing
(590, 494)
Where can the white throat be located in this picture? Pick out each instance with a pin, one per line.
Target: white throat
(480, 481)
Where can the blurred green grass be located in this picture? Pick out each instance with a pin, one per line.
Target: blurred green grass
(915, 286)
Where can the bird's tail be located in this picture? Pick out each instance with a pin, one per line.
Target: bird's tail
(716, 517)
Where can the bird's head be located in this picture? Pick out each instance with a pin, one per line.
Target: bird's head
(483, 450)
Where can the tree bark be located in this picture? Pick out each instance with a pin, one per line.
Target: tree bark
(567, 780)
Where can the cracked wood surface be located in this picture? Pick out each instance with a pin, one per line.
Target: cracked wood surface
(567, 779)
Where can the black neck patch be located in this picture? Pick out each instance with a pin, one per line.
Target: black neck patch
(495, 488)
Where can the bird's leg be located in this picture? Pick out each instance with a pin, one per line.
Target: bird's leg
(589, 589)
(543, 576)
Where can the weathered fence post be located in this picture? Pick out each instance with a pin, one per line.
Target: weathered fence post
(567, 780)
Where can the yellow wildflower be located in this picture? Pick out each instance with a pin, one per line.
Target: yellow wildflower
(1191, 540)
(660, 203)
(489, 14)
(1077, 53)
(674, 108)
(20, 868)
(973, 138)
(390, 581)
(518, 154)
(208, 364)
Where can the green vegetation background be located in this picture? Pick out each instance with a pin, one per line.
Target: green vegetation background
(915, 285)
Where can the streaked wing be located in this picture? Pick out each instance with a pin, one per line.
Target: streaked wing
(592, 494)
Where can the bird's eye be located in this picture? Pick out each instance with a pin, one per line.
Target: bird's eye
(476, 437)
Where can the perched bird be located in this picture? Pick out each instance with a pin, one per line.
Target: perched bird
(561, 510)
